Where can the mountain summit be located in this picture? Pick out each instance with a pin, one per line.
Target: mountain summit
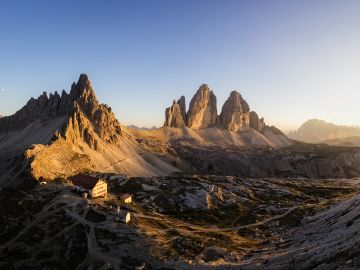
(72, 133)
(202, 110)
(235, 114)
(315, 131)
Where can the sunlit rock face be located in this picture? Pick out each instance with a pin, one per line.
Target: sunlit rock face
(234, 113)
(255, 122)
(175, 116)
(81, 98)
(90, 115)
(202, 110)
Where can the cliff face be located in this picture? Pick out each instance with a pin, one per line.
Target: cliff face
(175, 116)
(42, 108)
(235, 114)
(89, 117)
(299, 160)
(81, 99)
(85, 115)
(202, 110)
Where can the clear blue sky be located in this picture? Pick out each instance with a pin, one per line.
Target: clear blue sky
(291, 60)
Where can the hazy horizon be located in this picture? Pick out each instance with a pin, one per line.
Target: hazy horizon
(291, 60)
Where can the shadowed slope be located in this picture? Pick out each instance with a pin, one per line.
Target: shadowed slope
(74, 133)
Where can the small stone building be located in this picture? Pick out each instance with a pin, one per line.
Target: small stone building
(125, 216)
(94, 186)
(126, 198)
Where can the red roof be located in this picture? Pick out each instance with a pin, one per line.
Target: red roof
(85, 181)
(125, 196)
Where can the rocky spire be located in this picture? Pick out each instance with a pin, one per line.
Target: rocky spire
(255, 122)
(234, 112)
(41, 108)
(202, 111)
(182, 104)
(236, 115)
(81, 101)
(175, 116)
(103, 121)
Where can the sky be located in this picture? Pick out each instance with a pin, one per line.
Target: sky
(291, 60)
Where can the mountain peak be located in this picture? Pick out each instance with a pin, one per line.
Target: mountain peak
(316, 131)
(83, 89)
(175, 116)
(202, 110)
(234, 113)
(83, 79)
(53, 106)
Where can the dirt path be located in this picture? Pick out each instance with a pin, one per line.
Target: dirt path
(196, 228)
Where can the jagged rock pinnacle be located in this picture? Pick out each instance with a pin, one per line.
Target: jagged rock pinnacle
(82, 99)
(202, 110)
(234, 112)
(175, 116)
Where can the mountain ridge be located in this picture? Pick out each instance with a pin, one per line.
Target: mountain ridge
(58, 136)
(54, 137)
(235, 114)
(317, 131)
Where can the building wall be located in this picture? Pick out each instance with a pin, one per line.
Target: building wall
(100, 189)
(127, 218)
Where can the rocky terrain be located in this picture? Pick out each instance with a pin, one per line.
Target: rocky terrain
(353, 141)
(318, 131)
(185, 222)
(299, 160)
(61, 135)
(210, 191)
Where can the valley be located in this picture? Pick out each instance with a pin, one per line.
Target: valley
(183, 222)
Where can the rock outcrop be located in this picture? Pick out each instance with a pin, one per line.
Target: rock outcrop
(175, 116)
(202, 110)
(235, 114)
(103, 121)
(42, 108)
(85, 115)
(255, 122)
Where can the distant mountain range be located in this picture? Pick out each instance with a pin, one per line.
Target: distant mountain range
(141, 128)
(318, 131)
